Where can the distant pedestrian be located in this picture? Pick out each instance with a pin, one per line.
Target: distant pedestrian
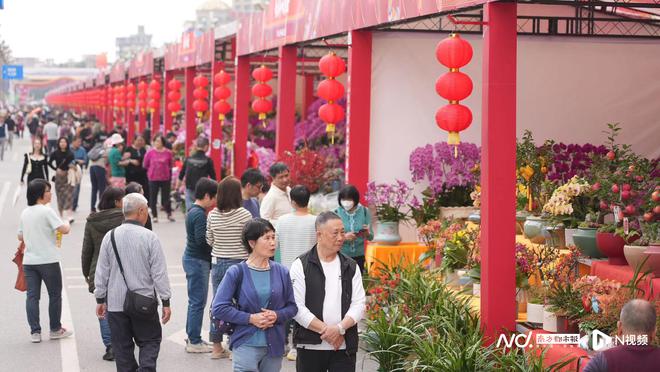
(330, 297)
(357, 224)
(35, 164)
(98, 224)
(134, 187)
(11, 130)
(4, 133)
(118, 161)
(265, 302)
(158, 162)
(223, 233)
(33, 125)
(60, 160)
(81, 160)
(98, 161)
(41, 230)
(277, 203)
(197, 263)
(251, 183)
(135, 172)
(132, 263)
(196, 167)
(51, 131)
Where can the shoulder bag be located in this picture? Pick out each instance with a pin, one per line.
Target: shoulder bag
(135, 304)
(221, 326)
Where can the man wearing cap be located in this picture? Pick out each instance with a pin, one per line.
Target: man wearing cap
(118, 161)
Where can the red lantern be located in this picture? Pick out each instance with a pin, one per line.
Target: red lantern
(331, 113)
(331, 65)
(454, 52)
(154, 85)
(262, 90)
(330, 90)
(200, 93)
(173, 96)
(200, 106)
(262, 106)
(222, 78)
(222, 108)
(200, 81)
(174, 107)
(221, 93)
(453, 118)
(174, 84)
(262, 74)
(142, 86)
(454, 86)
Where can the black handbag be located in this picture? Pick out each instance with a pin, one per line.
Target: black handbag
(135, 304)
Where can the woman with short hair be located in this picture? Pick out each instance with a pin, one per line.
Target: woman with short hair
(264, 293)
(41, 230)
(357, 223)
(224, 227)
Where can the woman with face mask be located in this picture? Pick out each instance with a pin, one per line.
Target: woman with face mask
(357, 223)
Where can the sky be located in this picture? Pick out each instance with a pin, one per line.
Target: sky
(68, 29)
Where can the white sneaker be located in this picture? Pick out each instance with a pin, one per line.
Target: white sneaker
(35, 337)
(292, 355)
(62, 333)
(200, 348)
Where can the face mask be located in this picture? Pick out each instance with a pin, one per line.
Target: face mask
(347, 204)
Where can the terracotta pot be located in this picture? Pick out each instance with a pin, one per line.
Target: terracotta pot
(533, 229)
(635, 256)
(653, 261)
(535, 313)
(585, 241)
(611, 245)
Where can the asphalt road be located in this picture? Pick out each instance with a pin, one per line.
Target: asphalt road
(83, 351)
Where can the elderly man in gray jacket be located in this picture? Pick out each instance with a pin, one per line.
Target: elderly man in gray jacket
(145, 272)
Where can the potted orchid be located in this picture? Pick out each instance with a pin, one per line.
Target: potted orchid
(391, 203)
(451, 172)
(568, 206)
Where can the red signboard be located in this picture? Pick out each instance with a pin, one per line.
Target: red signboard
(193, 50)
(118, 72)
(141, 65)
(292, 21)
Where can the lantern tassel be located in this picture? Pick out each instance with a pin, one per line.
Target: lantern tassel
(199, 114)
(221, 117)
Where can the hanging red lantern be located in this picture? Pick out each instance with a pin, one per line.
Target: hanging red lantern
(200, 106)
(221, 93)
(154, 96)
(331, 90)
(173, 96)
(453, 52)
(454, 86)
(201, 81)
(331, 65)
(262, 90)
(201, 95)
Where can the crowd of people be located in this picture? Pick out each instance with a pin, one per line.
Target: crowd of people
(285, 283)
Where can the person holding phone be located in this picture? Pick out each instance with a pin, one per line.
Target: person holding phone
(357, 224)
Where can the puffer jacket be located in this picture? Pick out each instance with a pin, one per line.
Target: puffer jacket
(98, 224)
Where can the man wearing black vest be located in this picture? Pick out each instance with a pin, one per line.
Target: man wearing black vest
(330, 297)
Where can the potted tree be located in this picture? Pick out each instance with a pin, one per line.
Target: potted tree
(532, 163)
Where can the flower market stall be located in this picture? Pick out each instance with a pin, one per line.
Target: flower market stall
(518, 215)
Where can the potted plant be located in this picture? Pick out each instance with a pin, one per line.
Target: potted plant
(536, 296)
(646, 232)
(568, 205)
(563, 302)
(525, 268)
(585, 238)
(389, 201)
(455, 256)
(452, 172)
(610, 242)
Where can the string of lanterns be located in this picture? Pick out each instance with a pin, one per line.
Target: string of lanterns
(173, 96)
(201, 95)
(262, 105)
(331, 90)
(221, 93)
(142, 96)
(454, 86)
(154, 95)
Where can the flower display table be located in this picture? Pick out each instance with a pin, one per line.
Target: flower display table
(392, 255)
(624, 274)
(556, 353)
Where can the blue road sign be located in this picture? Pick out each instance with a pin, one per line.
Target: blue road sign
(2, 4)
(12, 72)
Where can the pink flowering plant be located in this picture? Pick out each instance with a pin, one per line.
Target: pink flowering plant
(390, 200)
(451, 178)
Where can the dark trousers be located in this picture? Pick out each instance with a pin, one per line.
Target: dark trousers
(99, 183)
(126, 333)
(325, 361)
(76, 196)
(52, 276)
(164, 187)
(52, 145)
(359, 260)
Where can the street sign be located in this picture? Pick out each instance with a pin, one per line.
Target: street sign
(2, 4)
(12, 72)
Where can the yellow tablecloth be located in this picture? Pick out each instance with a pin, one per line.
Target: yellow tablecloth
(377, 255)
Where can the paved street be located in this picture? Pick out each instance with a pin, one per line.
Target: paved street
(83, 351)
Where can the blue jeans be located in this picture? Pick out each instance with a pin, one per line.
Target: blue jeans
(105, 331)
(255, 359)
(197, 275)
(99, 183)
(218, 271)
(52, 277)
(76, 195)
(190, 198)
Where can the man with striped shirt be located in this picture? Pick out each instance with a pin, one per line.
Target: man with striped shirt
(145, 272)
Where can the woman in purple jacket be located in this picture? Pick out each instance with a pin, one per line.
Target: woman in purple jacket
(265, 300)
(158, 162)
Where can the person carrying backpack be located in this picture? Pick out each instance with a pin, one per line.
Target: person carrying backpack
(196, 167)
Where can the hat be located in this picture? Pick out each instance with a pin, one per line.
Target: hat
(116, 139)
